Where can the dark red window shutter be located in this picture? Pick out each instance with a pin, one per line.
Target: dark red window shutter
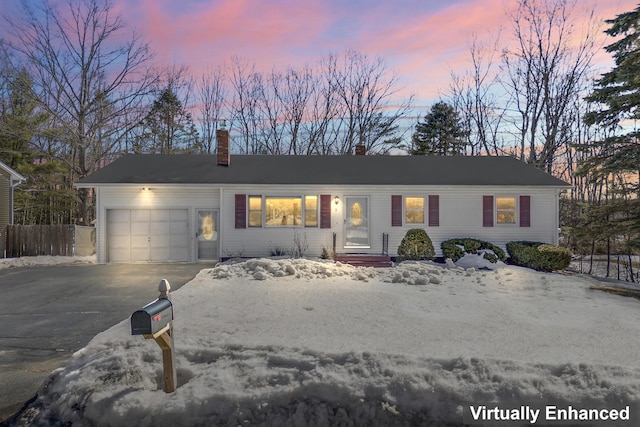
(434, 211)
(487, 211)
(241, 211)
(325, 211)
(396, 211)
(525, 211)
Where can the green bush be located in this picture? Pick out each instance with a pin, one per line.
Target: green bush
(539, 256)
(456, 248)
(416, 245)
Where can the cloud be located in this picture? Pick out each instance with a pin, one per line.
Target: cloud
(422, 41)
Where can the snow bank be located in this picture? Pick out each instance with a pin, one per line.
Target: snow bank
(298, 342)
(45, 260)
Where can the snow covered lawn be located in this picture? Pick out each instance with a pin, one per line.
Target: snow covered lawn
(45, 260)
(300, 342)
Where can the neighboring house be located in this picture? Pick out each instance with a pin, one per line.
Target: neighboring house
(9, 179)
(204, 207)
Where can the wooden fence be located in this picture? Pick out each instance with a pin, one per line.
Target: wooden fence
(34, 240)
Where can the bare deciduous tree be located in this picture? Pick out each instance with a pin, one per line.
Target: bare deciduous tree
(247, 87)
(365, 90)
(545, 73)
(211, 93)
(474, 95)
(90, 76)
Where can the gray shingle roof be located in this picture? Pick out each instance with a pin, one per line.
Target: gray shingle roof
(369, 170)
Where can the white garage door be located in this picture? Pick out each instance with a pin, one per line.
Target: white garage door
(147, 235)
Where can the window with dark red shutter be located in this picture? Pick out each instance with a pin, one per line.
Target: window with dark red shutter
(525, 211)
(325, 211)
(487, 211)
(241, 211)
(434, 211)
(396, 211)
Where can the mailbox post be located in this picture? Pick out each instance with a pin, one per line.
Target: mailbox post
(155, 320)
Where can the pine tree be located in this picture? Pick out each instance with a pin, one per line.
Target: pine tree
(617, 94)
(441, 132)
(20, 119)
(168, 127)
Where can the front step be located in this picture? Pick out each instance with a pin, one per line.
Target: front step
(364, 260)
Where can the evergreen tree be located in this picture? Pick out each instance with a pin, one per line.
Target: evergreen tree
(617, 93)
(441, 132)
(168, 127)
(20, 119)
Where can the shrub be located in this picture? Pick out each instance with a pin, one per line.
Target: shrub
(416, 245)
(456, 248)
(539, 256)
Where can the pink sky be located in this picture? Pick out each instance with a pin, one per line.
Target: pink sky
(422, 41)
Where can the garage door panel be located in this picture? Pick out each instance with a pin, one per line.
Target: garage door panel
(159, 228)
(178, 228)
(161, 253)
(119, 229)
(120, 241)
(160, 215)
(119, 215)
(160, 241)
(139, 254)
(179, 215)
(120, 256)
(140, 215)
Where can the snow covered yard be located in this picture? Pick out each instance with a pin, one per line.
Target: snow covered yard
(299, 342)
(45, 260)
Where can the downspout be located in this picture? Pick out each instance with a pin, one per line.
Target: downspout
(13, 184)
(556, 234)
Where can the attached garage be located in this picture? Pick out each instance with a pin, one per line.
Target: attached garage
(147, 235)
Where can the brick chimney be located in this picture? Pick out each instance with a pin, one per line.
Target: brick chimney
(222, 136)
(361, 150)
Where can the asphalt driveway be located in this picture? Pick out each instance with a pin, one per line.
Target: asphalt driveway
(47, 313)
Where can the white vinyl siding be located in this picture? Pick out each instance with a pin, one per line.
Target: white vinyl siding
(460, 212)
(169, 237)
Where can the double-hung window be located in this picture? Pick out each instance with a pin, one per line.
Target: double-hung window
(414, 210)
(505, 210)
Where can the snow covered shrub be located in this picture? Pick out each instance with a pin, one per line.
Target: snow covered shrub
(457, 248)
(416, 245)
(539, 256)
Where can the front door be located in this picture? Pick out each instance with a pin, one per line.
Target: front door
(357, 222)
(207, 234)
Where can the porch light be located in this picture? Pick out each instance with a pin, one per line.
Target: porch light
(336, 200)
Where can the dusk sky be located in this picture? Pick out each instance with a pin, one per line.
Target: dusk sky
(420, 40)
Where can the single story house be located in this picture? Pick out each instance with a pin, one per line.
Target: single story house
(9, 179)
(206, 207)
